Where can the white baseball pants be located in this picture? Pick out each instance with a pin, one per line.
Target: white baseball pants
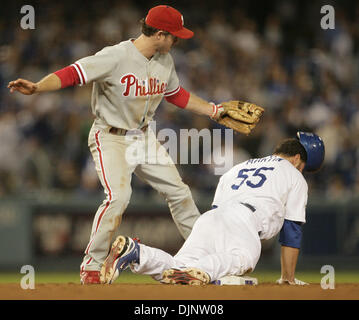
(116, 158)
(224, 241)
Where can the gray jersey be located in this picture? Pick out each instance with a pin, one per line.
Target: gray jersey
(127, 87)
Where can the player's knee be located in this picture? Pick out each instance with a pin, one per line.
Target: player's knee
(118, 201)
(245, 261)
(252, 260)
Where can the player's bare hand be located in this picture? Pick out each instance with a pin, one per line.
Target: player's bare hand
(23, 86)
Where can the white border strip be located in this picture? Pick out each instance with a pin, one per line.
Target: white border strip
(83, 72)
(78, 73)
(171, 93)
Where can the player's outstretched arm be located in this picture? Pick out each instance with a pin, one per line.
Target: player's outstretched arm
(49, 83)
(288, 262)
(289, 257)
(189, 101)
(199, 106)
(290, 238)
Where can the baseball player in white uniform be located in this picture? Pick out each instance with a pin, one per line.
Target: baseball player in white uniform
(254, 200)
(130, 80)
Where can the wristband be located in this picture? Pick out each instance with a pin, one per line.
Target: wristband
(217, 109)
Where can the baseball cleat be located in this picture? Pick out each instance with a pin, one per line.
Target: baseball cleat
(90, 277)
(188, 276)
(124, 251)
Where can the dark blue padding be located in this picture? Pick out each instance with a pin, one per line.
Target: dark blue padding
(291, 234)
(214, 207)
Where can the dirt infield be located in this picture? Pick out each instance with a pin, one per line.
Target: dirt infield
(124, 291)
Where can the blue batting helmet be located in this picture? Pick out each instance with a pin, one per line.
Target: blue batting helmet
(314, 146)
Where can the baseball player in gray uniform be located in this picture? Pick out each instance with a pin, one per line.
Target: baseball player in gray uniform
(130, 79)
(254, 200)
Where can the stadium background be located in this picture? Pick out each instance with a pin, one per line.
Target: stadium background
(272, 53)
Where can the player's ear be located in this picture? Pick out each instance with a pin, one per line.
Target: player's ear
(298, 163)
(297, 157)
(162, 33)
(159, 34)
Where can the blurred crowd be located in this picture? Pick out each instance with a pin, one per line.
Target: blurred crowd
(276, 56)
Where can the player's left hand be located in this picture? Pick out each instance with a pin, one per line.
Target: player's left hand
(238, 115)
(24, 86)
(295, 282)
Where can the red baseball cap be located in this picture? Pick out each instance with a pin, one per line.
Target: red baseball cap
(168, 19)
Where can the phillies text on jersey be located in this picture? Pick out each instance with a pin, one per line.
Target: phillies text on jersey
(127, 87)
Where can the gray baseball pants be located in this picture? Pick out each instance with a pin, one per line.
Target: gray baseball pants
(116, 157)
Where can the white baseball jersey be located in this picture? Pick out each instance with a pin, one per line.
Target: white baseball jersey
(127, 86)
(272, 185)
(226, 241)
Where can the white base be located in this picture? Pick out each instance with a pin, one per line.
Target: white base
(236, 281)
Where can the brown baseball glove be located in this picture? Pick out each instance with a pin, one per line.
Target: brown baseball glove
(238, 115)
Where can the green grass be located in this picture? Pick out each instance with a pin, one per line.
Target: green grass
(128, 277)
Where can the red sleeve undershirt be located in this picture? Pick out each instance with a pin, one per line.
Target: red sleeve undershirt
(179, 99)
(68, 76)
